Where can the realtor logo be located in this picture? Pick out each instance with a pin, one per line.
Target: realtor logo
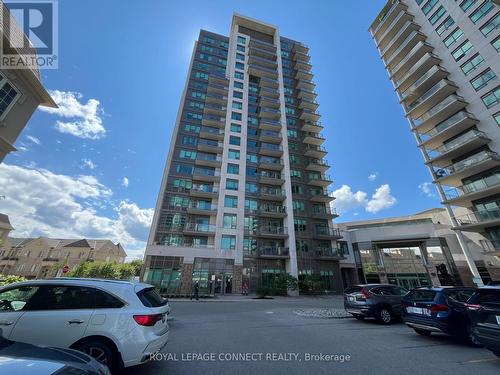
(30, 34)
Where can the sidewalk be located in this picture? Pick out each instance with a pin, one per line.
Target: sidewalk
(253, 298)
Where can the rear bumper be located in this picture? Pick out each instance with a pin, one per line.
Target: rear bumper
(426, 324)
(149, 347)
(367, 311)
(489, 337)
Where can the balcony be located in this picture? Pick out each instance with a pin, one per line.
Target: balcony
(478, 221)
(273, 194)
(270, 149)
(312, 126)
(309, 105)
(270, 113)
(307, 94)
(272, 232)
(300, 48)
(315, 139)
(212, 97)
(422, 66)
(214, 109)
(305, 84)
(399, 39)
(391, 61)
(217, 88)
(440, 112)
(318, 165)
(328, 253)
(264, 62)
(300, 56)
(416, 53)
(318, 152)
(201, 208)
(260, 71)
(212, 133)
(272, 211)
(271, 178)
(467, 142)
(323, 212)
(208, 175)
(386, 18)
(218, 77)
(307, 114)
(257, 43)
(447, 129)
(424, 83)
(320, 196)
(271, 92)
(268, 101)
(303, 74)
(212, 120)
(209, 145)
(435, 94)
(464, 195)
(319, 180)
(197, 228)
(303, 65)
(208, 160)
(327, 233)
(274, 164)
(264, 53)
(396, 25)
(273, 252)
(453, 174)
(268, 82)
(203, 191)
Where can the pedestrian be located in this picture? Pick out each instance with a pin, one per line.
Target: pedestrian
(196, 290)
(244, 288)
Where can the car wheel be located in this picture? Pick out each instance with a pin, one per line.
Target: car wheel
(101, 352)
(384, 315)
(422, 332)
(359, 317)
(472, 339)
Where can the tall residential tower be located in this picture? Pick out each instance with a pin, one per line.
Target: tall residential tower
(443, 59)
(244, 196)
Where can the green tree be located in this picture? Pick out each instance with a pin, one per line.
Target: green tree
(9, 279)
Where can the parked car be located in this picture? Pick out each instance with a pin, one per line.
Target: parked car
(27, 359)
(484, 312)
(439, 309)
(379, 301)
(119, 323)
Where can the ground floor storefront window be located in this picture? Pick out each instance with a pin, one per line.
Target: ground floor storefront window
(164, 273)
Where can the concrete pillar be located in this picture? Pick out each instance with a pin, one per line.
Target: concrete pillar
(187, 278)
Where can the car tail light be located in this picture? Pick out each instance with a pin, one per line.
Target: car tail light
(440, 308)
(147, 320)
(365, 294)
(471, 306)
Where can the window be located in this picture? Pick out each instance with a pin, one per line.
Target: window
(482, 11)
(496, 44)
(62, 297)
(233, 168)
(297, 189)
(237, 105)
(491, 25)
(238, 85)
(241, 40)
(239, 75)
(461, 51)
(300, 225)
(184, 184)
(204, 56)
(251, 187)
(298, 205)
(16, 298)
(293, 146)
(250, 205)
(228, 242)
(184, 169)
(252, 158)
(289, 111)
(105, 300)
(236, 128)
(231, 184)
(207, 48)
(229, 221)
(482, 80)
(292, 133)
(447, 23)
(240, 56)
(437, 15)
(251, 172)
(428, 6)
(240, 48)
(234, 154)
(496, 116)
(223, 62)
(492, 98)
(236, 116)
(197, 95)
(194, 116)
(465, 5)
(186, 154)
(192, 128)
(197, 105)
(239, 65)
(235, 141)
(472, 64)
(453, 38)
(187, 140)
(294, 159)
(201, 75)
(231, 201)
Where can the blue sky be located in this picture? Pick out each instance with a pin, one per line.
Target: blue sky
(94, 167)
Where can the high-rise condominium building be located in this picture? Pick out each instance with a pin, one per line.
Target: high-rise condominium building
(443, 59)
(244, 196)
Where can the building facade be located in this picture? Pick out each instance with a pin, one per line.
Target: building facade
(244, 196)
(44, 257)
(416, 250)
(443, 59)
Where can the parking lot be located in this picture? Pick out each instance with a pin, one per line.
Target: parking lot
(269, 337)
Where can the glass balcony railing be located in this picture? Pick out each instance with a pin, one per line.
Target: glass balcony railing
(314, 135)
(477, 217)
(326, 231)
(269, 160)
(271, 147)
(457, 117)
(272, 230)
(324, 211)
(273, 251)
(214, 118)
(210, 130)
(327, 252)
(208, 157)
(426, 95)
(268, 174)
(319, 162)
(272, 209)
(466, 163)
(436, 109)
(409, 56)
(457, 142)
(206, 172)
(204, 188)
(319, 177)
(216, 107)
(415, 67)
(199, 227)
(270, 133)
(419, 81)
(270, 122)
(403, 45)
(316, 148)
(272, 192)
(201, 205)
(385, 16)
(216, 96)
(209, 142)
(395, 37)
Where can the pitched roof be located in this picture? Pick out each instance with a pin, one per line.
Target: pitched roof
(79, 243)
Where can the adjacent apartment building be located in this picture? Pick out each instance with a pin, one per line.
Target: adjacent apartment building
(443, 59)
(44, 257)
(244, 196)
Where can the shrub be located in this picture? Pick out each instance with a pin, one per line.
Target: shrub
(9, 279)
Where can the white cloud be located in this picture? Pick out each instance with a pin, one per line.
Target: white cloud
(87, 163)
(426, 188)
(42, 203)
(125, 182)
(85, 119)
(35, 140)
(372, 176)
(347, 200)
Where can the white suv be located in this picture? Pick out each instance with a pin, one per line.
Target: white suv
(119, 323)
